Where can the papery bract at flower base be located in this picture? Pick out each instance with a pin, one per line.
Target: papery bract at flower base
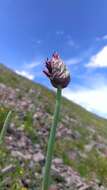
(57, 72)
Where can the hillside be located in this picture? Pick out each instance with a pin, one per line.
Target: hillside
(80, 156)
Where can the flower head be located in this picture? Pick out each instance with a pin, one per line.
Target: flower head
(57, 71)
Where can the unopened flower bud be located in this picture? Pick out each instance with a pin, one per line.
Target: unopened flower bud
(57, 72)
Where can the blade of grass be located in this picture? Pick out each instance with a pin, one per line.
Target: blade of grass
(4, 129)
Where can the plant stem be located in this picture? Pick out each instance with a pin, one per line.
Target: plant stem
(51, 141)
(4, 129)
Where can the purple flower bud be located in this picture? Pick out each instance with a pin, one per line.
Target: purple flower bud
(57, 71)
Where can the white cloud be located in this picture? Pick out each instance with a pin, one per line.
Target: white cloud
(26, 74)
(72, 61)
(99, 59)
(93, 99)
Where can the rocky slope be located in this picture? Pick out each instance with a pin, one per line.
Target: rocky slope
(80, 156)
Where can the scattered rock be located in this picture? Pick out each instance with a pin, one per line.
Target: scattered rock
(76, 135)
(57, 161)
(21, 147)
(63, 132)
(89, 147)
(26, 156)
(53, 187)
(8, 169)
(37, 157)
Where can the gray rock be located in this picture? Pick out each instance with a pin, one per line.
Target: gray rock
(37, 157)
(26, 156)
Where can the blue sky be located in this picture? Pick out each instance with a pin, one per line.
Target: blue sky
(31, 30)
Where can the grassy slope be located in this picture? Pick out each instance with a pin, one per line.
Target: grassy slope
(93, 163)
(9, 78)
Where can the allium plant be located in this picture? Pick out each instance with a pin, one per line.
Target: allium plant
(59, 76)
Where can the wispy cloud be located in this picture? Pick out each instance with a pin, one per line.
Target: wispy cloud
(60, 32)
(38, 42)
(30, 70)
(25, 74)
(102, 38)
(72, 61)
(71, 43)
(99, 60)
(32, 64)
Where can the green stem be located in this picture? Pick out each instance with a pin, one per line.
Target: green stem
(4, 129)
(51, 141)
